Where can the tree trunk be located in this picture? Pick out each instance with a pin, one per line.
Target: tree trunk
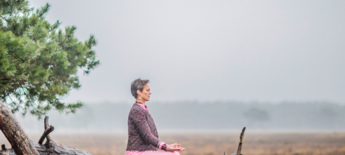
(21, 145)
(14, 133)
(54, 149)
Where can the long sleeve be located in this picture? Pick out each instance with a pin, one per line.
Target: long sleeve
(141, 125)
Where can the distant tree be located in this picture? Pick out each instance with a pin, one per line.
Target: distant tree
(38, 61)
(256, 115)
(326, 117)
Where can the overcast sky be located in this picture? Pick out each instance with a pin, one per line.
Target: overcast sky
(210, 50)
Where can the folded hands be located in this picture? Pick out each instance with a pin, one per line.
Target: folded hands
(174, 147)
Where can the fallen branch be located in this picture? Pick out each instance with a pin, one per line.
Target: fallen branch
(21, 145)
(45, 134)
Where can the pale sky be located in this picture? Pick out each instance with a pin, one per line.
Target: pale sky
(268, 51)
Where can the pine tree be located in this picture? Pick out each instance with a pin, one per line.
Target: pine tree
(39, 61)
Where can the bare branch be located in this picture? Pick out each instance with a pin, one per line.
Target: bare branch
(45, 134)
(46, 126)
(19, 83)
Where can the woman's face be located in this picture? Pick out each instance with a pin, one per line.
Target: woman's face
(145, 94)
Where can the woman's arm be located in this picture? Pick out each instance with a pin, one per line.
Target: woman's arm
(141, 125)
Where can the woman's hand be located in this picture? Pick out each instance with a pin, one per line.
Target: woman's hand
(174, 147)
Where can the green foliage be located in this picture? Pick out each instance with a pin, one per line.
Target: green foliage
(38, 61)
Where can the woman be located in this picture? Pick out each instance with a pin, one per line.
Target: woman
(142, 132)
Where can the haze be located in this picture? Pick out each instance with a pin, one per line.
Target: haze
(268, 51)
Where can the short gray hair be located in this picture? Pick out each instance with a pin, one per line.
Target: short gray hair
(138, 84)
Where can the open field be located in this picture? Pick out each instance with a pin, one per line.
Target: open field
(215, 143)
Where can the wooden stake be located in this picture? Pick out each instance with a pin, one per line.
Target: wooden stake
(240, 144)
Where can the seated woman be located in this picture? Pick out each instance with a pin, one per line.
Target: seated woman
(142, 132)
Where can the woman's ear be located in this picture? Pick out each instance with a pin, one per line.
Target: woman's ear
(138, 92)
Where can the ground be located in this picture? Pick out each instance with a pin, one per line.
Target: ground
(214, 143)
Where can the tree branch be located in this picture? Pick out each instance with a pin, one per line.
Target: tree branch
(46, 126)
(18, 83)
(45, 134)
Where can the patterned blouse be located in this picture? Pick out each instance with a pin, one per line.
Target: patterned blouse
(142, 132)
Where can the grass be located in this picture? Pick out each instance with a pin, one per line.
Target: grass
(214, 143)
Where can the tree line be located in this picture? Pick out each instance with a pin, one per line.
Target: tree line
(195, 115)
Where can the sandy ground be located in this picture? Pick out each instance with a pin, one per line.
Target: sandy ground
(213, 143)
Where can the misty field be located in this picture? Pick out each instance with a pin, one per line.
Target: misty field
(212, 143)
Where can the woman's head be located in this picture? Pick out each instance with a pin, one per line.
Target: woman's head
(140, 89)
